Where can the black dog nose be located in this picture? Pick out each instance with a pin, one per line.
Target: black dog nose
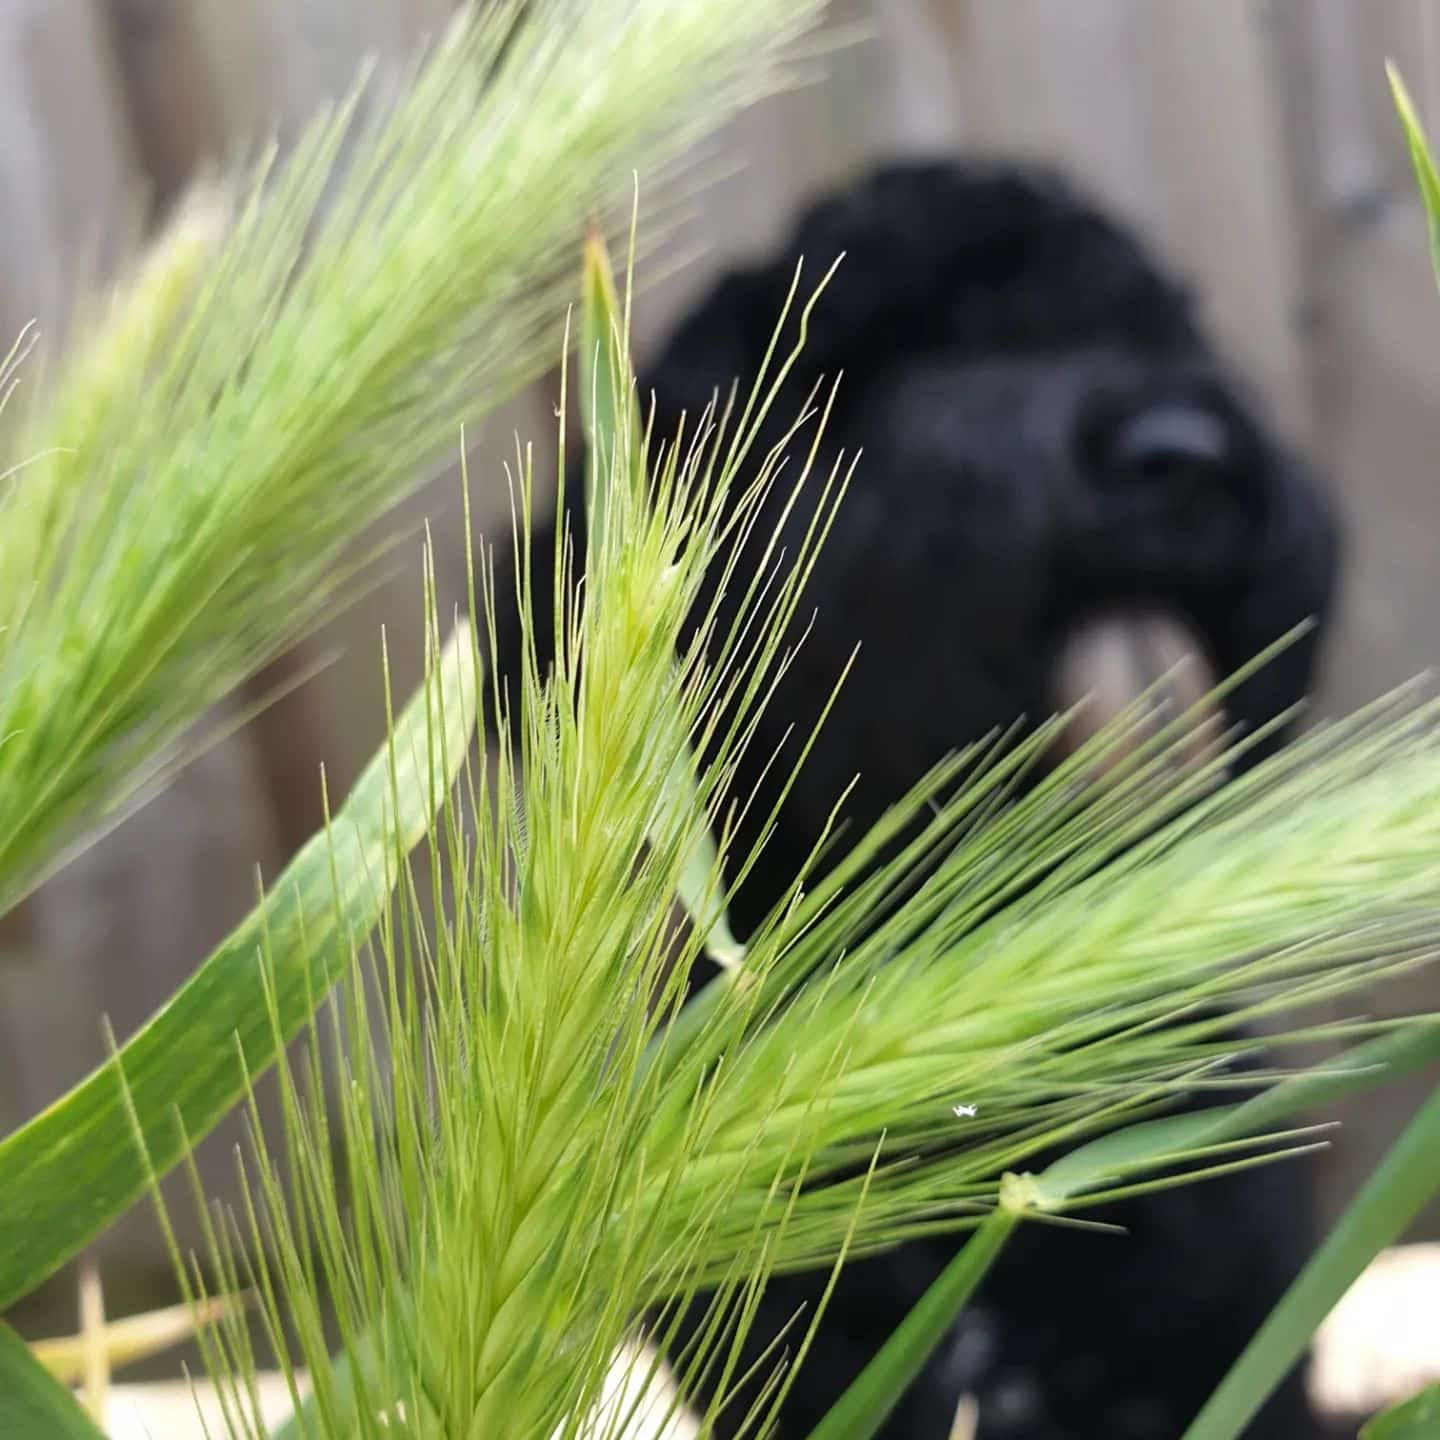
(1167, 441)
(1170, 494)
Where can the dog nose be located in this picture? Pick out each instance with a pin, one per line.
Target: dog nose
(1168, 491)
(1172, 461)
(1164, 442)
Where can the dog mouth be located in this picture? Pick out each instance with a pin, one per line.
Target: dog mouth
(1150, 666)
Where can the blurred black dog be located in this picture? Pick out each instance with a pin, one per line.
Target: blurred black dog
(1056, 468)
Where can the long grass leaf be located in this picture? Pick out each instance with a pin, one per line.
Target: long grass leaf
(75, 1167)
(874, 1393)
(1427, 178)
(1417, 1418)
(1397, 1190)
(33, 1404)
(1153, 1144)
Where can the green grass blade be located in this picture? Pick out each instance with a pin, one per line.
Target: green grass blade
(75, 1167)
(615, 455)
(1426, 175)
(34, 1405)
(1416, 1419)
(1153, 1143)
(870, 1398)
(609, 407)
(696, 883)
(1404, 1182)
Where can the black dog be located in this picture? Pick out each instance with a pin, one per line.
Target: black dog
(1051, 451)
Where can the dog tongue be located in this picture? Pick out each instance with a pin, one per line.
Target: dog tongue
(1149, 662)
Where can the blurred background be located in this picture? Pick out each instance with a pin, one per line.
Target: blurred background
(1252, 142)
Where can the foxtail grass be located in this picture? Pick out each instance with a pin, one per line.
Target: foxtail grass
(545, 1155)
(296, 353)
